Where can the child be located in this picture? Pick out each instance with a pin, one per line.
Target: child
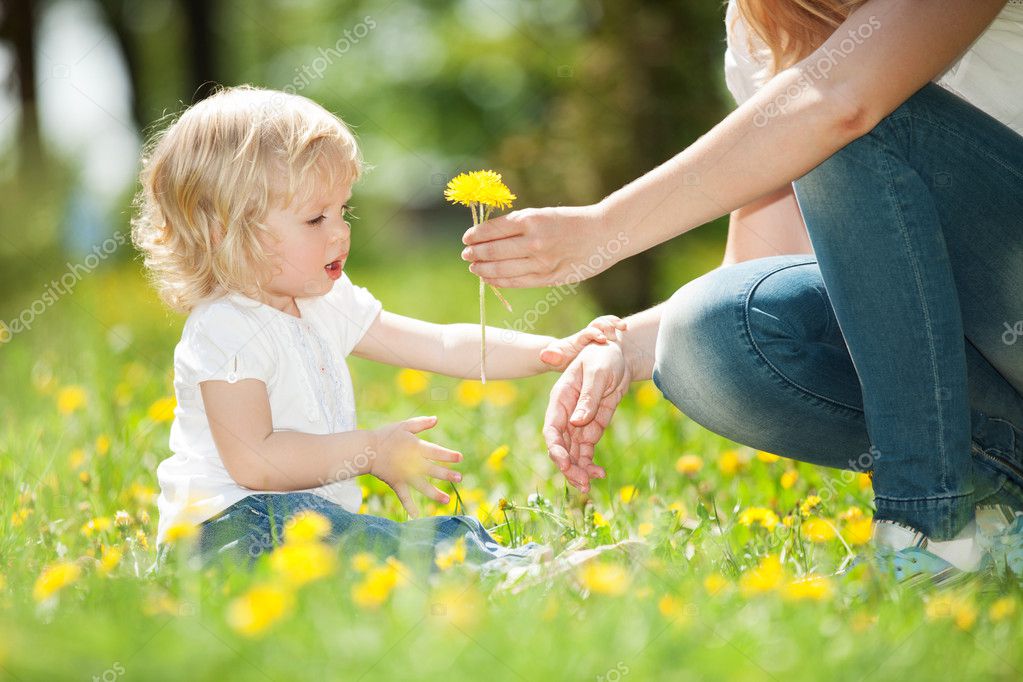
(241, 220)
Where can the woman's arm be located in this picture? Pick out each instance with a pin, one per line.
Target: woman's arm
(770, 226)
(884, 52)
(454, 349)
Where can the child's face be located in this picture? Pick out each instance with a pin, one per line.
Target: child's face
(314, 239)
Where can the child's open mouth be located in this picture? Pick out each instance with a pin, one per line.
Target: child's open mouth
(333, 269)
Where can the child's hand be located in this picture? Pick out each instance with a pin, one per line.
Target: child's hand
(401, 459)
(560, 353)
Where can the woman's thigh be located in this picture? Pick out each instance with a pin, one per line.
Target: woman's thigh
(754, 352)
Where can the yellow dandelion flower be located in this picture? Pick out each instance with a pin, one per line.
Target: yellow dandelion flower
(163, 409)
(363, 561)
(788, 520)
(469, 393)
(604, 578)
(70, 399)
(495, 460)
(110, 557)
(451, 556)
(76, 459)
(20, 515)
(808, 504)
(647, 395)
(670, 606)
(412, 381)
(765, 577)
(767, 457)
(500, 393)
(644, 529)
(259, 608)
(761, 516)
(102, 445)
(715, 583)
(306, 526)
(628, 493)
(599, 521)
(678, 509)
(376, 587)
(1002, 608)
(865, 481)
(689, 465)
(180, 531)
(858, 531)
(817, 530)
(789, 478)
(142, 494)
(813, 587)
(730, 463)
(479, 187)
(851, 514)
(303, 562)
(955, 607)
(142, 538)
(55, 578)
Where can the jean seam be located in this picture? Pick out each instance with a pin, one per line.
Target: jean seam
(746, 298)
(930, 498)
(932, 353)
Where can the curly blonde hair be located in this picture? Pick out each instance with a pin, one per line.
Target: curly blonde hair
(793, 29)
(210, 177)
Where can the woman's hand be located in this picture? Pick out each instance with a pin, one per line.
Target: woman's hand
(538, 247)
(559, 353)
(401, 459)
(581, 405)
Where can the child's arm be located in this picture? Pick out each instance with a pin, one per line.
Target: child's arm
(454, 349)
(259, 458)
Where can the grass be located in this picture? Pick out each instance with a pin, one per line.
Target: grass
(718, 596)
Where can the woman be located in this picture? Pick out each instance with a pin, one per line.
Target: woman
(887, 346)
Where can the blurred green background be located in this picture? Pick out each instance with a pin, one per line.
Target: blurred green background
(569, 99)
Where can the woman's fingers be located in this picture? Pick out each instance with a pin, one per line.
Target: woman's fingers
(502, 269)
(501, 250)
(496, 228)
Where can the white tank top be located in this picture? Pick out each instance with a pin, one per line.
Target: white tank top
(989, 74)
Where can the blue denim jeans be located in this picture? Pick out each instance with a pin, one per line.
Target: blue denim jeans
(251, 527)
(898, 346)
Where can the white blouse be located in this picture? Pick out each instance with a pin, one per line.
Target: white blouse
(989, 74)
(302, 363)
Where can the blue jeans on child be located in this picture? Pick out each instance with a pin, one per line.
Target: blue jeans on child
(251, 527)
(897, 347)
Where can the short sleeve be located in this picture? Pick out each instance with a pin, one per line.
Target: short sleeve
(348, 311)
(741, 69)
(227, 344)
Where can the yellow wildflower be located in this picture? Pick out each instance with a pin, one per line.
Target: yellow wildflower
(373, 590)
(647, 395)
(1002, 608)
(730, 463)
(644, 529)
(306, 526)
(765, 577)
(809, 503)
(500, 393)
(689, 465)
(70, 399)
(76, 459)
(815, 587)
(19, 516)
(817, 530)
(303, 562)
(678, 509)
(715, 583)
(182, 530)
(758, 515)
(960, 609)
(599, 521)
(864, 481)
(412, 381)
(102, 444)
(789, 478)
(479, 187)
(495, 460)
(109, 558)
(452, 556)
(54, 578)
(767, 457)
(458, 606)
(259, 608)
(604, 578)
(469, 393)
(363, 561)
(162, 410)
(628, 493)
(858, 531)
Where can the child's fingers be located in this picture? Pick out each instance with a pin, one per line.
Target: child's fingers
(433, 493)
(417, 424)
(443, 473)
(441, 454)
(552, 356)
(405, 497)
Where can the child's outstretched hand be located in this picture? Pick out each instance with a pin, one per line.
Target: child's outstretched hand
(558, 354)
(401, 459)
